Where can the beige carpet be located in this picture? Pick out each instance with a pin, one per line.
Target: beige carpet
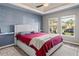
(64, 50)
(10, 51)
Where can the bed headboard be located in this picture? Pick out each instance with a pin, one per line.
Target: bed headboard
(22, 28)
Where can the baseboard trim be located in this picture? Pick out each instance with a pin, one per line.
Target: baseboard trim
(6, 46)
(71, 42)
(63, 41)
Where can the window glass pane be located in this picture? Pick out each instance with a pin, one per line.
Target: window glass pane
(53, 25)
(68, 25)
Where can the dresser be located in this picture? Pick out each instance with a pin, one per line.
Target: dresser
(6, 36)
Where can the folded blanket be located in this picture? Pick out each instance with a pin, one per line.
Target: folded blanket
(38, 42)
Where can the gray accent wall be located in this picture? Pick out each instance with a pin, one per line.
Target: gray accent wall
(71, 11)
(11, 16)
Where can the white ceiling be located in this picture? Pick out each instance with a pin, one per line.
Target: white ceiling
(52, 7)
(44, 8)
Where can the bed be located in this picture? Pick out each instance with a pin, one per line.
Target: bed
(36, 43)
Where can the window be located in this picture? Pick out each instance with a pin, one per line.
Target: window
(53, 25)
(68, 25)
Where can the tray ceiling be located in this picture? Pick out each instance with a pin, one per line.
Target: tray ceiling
(44, 8)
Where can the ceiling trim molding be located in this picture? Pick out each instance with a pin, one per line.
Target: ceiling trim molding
(28, 8)
(47, 12)
(61, 8)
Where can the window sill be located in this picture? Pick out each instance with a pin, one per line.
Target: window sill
(68, 36)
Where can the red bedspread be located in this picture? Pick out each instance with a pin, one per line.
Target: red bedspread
(28, 37)
(47, 46)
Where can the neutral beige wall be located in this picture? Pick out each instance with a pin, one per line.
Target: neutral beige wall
(74, 11)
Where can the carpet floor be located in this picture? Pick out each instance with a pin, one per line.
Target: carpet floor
(64, 50)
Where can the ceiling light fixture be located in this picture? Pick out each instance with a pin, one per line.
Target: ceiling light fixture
(45, 4)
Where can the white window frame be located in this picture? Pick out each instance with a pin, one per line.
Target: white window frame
(61, 25)
(49, 24)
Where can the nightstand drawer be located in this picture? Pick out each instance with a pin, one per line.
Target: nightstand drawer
(6, 39)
